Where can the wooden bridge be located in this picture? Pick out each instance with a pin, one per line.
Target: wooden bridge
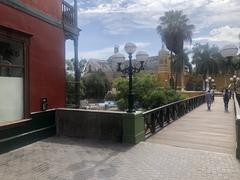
(202, 129)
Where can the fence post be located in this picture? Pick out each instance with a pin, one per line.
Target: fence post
(133, 128)
(238, 138)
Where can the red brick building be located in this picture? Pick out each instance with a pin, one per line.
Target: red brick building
(32, 55)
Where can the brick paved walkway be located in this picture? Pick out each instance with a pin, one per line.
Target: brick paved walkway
(72, 159)
(75, 159)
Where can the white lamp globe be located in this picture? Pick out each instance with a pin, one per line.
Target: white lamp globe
(130, 48)
(229, 50)
(141, 56)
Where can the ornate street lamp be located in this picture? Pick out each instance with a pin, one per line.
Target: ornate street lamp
(228, 52)
(234, 80)
(141, 56)
(210, 81)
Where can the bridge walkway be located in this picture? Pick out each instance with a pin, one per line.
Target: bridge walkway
(202, 129)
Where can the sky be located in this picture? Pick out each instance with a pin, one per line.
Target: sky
(106, 23)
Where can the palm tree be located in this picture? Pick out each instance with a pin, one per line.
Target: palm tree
(206, 59)
(174, 29)
(177, 63)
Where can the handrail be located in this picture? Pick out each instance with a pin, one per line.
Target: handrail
(158, 118)
(237, 115)
(236, 107)
(149, 111)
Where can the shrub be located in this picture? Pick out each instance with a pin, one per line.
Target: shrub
(148, 92)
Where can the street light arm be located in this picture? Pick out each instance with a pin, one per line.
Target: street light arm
(134, 69)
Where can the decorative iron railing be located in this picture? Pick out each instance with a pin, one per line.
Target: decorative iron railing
(158, 118)
(237, 117)
(68, 14)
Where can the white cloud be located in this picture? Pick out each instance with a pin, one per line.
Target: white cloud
(98, 54)
(225, 34)
(106, 52)
(123, 16)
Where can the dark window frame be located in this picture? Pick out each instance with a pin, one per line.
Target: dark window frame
(24, 38)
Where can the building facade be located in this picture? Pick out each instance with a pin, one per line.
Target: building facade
(32, 55)
(158, 65)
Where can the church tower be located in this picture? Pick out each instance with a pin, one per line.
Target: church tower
(164, 71)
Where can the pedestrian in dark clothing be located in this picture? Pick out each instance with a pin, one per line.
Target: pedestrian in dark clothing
(226, 99)
(212, 92)
(208, 97)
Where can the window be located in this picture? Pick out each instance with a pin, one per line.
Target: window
(13, 76)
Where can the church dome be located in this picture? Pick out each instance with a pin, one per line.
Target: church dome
(118, 57)
(141, 56)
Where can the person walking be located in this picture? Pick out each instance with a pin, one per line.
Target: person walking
(208, 97)
(212, 92)
(226, 99)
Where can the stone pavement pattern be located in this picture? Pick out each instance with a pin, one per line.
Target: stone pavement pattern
(60, 158)
(72, 159)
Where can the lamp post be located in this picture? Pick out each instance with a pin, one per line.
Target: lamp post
(234, 79)
(228, 52)
(212, 84)
(130, 48)
(210, 81)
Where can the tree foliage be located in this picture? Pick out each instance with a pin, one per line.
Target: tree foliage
(70, 86)
(71, 83)
(96, 85)
(205, 58)
(148, 92)
(174, 29)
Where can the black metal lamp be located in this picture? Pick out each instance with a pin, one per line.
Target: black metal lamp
(130, 48)
(234, 80)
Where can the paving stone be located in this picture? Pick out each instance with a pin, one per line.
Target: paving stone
(62, 158)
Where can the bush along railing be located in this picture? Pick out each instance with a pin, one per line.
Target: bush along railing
(160, 117)
(237, 115)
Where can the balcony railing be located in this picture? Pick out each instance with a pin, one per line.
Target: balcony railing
(68, 14)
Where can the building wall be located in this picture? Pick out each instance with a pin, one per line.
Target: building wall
(50, 7)
(46, 56)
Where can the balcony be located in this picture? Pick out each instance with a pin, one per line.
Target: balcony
(69, 19)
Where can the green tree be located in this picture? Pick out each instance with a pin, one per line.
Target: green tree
(174, 29)
(205, 58)
(177, 63)
(148, 92)
(71, 83)
(70, 89)
(96, 85)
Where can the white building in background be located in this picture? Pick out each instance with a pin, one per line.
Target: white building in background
(153, 64)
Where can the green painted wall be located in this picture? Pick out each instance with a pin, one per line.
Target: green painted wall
(41, 125)
(133, 128)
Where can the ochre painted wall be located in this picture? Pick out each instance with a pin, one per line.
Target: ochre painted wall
(51, 7)
(46, 57)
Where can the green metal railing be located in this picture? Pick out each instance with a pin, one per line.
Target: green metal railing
(158, 118)
(237, 117)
